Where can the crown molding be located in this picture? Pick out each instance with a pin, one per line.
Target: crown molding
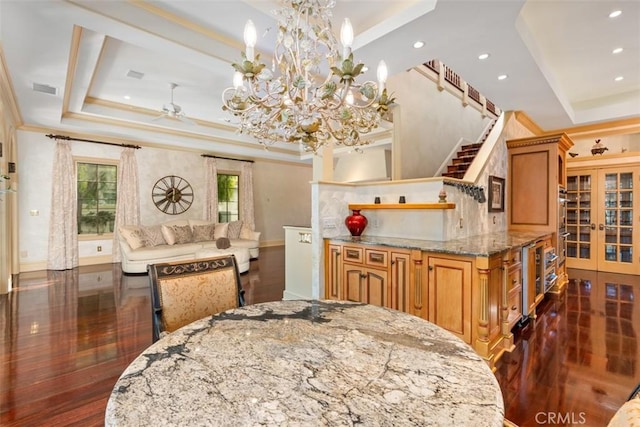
(615, 127)
(526, 121)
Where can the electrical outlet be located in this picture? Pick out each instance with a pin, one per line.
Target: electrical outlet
(99, 248)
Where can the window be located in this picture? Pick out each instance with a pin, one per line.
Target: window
(228, 198)
(97, 185)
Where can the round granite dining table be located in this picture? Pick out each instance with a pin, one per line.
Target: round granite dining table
(307, 363)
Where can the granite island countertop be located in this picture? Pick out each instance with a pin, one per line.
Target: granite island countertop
(480, 245)
(308, 363)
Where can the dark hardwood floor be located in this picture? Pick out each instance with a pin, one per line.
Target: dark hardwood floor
(67, 336)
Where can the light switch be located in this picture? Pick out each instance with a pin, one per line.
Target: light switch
(34, 212)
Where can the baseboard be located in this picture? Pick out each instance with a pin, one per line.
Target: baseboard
(269, 243)
(90, 260)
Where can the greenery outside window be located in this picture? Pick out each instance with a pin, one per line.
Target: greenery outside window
(228, 196)
(96, 196)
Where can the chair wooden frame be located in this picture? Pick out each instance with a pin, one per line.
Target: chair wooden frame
(168, 280)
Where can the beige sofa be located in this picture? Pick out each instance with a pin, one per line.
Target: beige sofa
(185, 240)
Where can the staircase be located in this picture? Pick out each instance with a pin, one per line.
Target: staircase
(465, 157)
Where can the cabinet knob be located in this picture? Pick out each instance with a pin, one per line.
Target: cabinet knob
(514, 281)
(431, 268)
(514, 308)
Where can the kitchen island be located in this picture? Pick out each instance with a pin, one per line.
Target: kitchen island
(473, 287)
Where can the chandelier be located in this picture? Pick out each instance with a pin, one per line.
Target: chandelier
(291, 101)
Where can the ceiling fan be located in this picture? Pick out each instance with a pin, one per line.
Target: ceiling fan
(173, 110)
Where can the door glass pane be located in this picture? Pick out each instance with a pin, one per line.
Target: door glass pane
(572, 233)
(572, 183)
(585, 251)
(585, 182)
(626, 199)
(626, 180)
(625, 217)
(611, 235)
(585, 234)
(626, 253)
(611, 200)
(610, 253)
(611, 181)
(572, 250)
(610, 217)
(585, 216)
(626, 235)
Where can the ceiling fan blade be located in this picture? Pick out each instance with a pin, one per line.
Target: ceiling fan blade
(187, 120)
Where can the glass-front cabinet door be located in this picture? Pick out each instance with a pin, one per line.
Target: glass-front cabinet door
(580, 244)
(615, 221)
(601, 215)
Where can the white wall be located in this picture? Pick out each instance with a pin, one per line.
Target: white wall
(281, 193)
(433, 122)
(368, 165)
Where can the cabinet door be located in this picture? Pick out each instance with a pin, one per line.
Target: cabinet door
(375, 287)
(450, 295)
(581, 197)
(333, 273)
(600, 217)
(352, 282)
(400, 273)
(616, 217)
(368, 285)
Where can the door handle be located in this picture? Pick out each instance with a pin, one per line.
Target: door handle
(600, 227)
(593, 226)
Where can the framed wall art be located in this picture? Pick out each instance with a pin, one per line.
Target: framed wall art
(496, 194)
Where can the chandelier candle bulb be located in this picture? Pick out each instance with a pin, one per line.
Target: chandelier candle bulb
(238, 80)
(250, 38)
(382, 76)
(346, 37)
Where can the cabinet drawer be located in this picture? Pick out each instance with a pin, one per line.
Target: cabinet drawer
(514, 305)
(515, 256)
(376, 258)
(352, 254)
(514, 278)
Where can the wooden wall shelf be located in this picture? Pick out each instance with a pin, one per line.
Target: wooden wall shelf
(360, 206)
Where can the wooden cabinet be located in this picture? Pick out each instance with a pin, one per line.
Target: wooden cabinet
(374, 275)
(536, 170)
(450, 295)
(600, 219)
(476, 298)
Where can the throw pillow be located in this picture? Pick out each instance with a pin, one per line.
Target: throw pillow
(203, 233)
(222, 230)
(183, 234)
(223, 243)
(168, 234)
(234, 229)
(134, 236)
(246, 232)
(154, 235)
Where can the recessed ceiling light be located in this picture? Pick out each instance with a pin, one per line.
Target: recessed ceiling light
(483, 56)
(502, 76)
(615, 14)
(418, 44)
(617, 50)
(127, 97)
(619, 78)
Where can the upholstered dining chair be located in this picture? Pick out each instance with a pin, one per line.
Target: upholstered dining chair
(185, 291)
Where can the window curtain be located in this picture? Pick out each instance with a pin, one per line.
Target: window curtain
(63, 223)
(210, 210)
(128, 197)
(246, 194)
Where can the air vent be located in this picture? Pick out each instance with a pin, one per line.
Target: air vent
(135, 74)
(39, 87)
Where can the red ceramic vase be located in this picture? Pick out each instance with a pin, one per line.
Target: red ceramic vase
(356, 223)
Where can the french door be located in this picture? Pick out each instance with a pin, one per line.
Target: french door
(601, 215)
